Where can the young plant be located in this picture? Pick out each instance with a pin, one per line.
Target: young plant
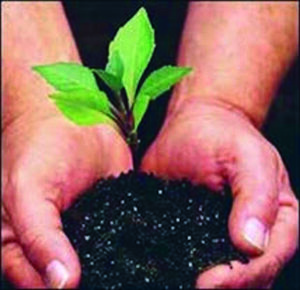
(79, 98)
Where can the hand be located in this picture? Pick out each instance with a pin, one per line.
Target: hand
(213, 144)
(46, 165)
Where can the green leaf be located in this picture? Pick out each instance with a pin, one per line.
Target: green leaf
(67, 76)
(114, 65)
(162, 79)
(112, 81)
(139, 109)
(80, 115)
(135, 44)
(78, 102)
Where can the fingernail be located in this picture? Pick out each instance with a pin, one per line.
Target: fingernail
(56, 275)
(256, 233)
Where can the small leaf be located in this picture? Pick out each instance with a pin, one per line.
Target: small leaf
(139, 109)
(114, 65)
(110, 80)
(81, 115)
(162, 79)
(82, 100)
(67, 76)
(135, 44)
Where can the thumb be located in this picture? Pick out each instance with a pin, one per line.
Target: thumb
(255, 189)
(37, 223)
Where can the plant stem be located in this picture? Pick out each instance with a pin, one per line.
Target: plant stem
(119, 115)
(133, 142)
(120, 102)
(125, 121)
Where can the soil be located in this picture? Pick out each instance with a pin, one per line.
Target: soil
(138, 231)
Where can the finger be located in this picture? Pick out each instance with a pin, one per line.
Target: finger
(14, 264)
(38, 228)
(261, 271)
(17, 269)
(254, 183)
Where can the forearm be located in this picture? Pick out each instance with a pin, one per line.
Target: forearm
(239, 53)
(33, 33)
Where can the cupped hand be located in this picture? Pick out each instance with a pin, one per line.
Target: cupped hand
(212, 144)
(46, 165)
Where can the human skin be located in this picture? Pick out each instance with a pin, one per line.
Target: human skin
(47, 160)
(42, 150)
(239, 53)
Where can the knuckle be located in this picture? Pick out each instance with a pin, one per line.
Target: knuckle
(295, 204)
(11, 254)
(8, 268)
(269, 153)
(31, 240)
(274, 266)
(247, 142)
(15, 183)
(258, 147)
(284, 180)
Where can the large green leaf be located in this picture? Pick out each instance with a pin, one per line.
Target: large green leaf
(81, 115)
(135, 44)
(67, 76)
(80, 101)
(139, 109)
(162, 79)
(112, 81)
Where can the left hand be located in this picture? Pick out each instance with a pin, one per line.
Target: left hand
(48, 162)
(213, 144)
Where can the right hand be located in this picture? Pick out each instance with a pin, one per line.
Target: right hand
(46, 165)
(213, 144)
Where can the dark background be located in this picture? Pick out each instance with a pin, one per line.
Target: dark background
(95, 23)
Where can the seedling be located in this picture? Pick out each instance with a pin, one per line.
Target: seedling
(79, 98)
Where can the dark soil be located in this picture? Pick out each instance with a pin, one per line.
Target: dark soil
(141, 232)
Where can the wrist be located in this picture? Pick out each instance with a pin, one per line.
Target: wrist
(204, 106)
(254, 113)
(20, 112)
(24, 92)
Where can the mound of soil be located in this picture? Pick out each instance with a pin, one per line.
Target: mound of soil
(138, 231)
